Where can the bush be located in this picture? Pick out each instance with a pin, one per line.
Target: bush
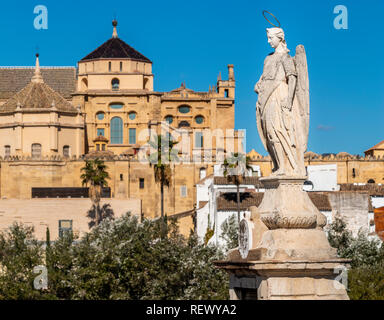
(119, 259)
(366, 276)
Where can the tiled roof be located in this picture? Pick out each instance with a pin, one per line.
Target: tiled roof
(116, 48)
(247, 181)
(60, 79)
(37, 96)
(108, 155)
(372, 188)
(377, 146)
(227, 201)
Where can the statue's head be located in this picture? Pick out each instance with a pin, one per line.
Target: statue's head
(276, 37)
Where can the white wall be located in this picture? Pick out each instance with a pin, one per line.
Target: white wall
(323, 177)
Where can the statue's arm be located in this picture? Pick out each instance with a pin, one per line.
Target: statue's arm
(291, 74)
(292, 82)
(257, 85)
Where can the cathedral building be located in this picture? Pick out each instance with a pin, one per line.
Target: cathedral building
(54, 118)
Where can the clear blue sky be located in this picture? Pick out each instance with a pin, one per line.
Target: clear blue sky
(193, 41)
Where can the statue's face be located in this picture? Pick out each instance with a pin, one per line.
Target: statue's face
(273, 41)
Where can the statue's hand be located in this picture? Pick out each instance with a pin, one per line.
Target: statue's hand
(257, 87)
(285, 104)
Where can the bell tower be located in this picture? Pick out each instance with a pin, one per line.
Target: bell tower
(226, 88)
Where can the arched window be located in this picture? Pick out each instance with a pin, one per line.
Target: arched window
(66, 151)
(184, 124)
(100, 116)
(199, 119)
(115, 84)
(84, 84)
(145, 83)
(132, 115)
(116, 130)
(169, 119)
(36, 150)
(371, 181)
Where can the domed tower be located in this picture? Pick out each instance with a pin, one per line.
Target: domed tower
(115, 66)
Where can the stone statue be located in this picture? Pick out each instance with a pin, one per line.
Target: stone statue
(282, 109)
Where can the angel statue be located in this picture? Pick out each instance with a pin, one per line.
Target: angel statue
(282, 109)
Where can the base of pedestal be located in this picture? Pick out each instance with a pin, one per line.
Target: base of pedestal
(289, 280)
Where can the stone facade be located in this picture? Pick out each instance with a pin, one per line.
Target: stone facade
(350, 169)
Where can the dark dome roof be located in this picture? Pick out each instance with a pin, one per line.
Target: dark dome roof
(116, 48)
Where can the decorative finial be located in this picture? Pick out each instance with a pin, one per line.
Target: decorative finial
(219, 77)
(37, 78)
(114, 24)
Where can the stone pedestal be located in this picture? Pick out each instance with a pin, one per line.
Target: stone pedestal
(283, 251)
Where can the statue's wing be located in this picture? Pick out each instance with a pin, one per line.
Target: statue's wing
(302, 91)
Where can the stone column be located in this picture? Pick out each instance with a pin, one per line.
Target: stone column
(283, 251)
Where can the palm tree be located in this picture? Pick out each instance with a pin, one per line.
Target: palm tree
(235, 168)
(104, 212)
(161, 159)
(96, 175)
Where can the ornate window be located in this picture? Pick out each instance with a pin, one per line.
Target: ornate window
(184, 109)
(184, 124)
(100, 116)
(198, 139)
(100, 132)
(36, 150)
(65, 226)
(116, 106)
(116, 130)
(132, 115)
(169, 119)
(132, 135)
(66, 151)
(115, 84)
(199, 119)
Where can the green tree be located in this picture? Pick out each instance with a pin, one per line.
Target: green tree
(236, 167)
(104, 212)
(20, 252)
(95, 174)
(366, 275)
(161, 160)
(230, 232)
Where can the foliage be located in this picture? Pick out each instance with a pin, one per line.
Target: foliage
(230, 232)
(118, 259)
(161, 159)
(366, 276)
(99, 213)
(19, 254)
(95, 173)
(236, 167)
